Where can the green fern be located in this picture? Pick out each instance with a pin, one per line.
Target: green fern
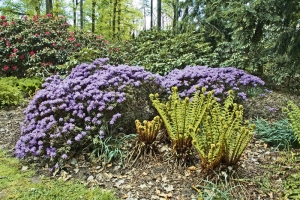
(294, 115)
(222, 137)
(148, 131)
(183, 117)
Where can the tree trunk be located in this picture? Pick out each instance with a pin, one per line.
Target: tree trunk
(93, 15)
(114, 19)
(49, 6)
(175, 16)
(151, 14)
(158, 14)
(119, 20)
(81, 14)
(75, 4)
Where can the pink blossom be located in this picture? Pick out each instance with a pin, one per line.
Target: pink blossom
(22, 57)
(36, 35)
(25, 17)
(4, 24)
(77, 45)
(47, 33)
(3, 17)
(32, 53)
(6, 68)
(54, 44)
(15, 68)
(49, 15)
(15, 50)
(34, 18)
(72, 39)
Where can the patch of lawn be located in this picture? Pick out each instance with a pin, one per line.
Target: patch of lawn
(17, 184)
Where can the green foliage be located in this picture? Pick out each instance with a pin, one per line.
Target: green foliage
(109, 148)
(183, 117)
(85, 55)
(294, 116)
(148, 131)
(222, 137)
(291, 186)
(13, 90)
(279, 133)
(16, 184)
(10, 94)
(162, 51)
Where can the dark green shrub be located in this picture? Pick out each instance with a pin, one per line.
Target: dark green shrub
(161, 52)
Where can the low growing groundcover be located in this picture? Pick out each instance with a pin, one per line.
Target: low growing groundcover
(18, 182)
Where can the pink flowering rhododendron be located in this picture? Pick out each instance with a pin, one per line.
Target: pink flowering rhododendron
(5, 68)
(3, 17)
(15, 68)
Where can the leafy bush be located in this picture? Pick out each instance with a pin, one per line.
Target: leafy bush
(35, 46)
(161, 51)
(218, 79)
(279, 133)
(9, 94)
(13, 90)
(66, 115)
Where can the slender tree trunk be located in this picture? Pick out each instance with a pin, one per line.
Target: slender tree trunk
(93, 15)
(158, 14)
(175, 15)
(75, 4)
(119, 20)
(114, 19)
(49, 6)
(151, 14)
(81, 14)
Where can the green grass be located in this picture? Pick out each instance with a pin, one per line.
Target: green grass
(15, 184)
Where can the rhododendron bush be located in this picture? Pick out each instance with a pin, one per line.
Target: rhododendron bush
(220, 80)
(96, 100)
(34, 46)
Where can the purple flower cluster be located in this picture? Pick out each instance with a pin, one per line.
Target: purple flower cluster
(66, 114)
(218, 79)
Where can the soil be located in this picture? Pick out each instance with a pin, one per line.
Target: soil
(259, 175)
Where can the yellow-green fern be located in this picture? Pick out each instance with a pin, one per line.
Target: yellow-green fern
(148, 131)
(293, 112)
(222, 136)
(183, 117)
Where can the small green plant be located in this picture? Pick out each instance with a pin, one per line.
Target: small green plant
(291, 186)
(278, 134)
(148, 131)
(146, 137)
(109, 148)
(183, 117)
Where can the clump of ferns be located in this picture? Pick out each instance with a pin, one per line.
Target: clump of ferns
(293, 113)
(146, 142)
(181, 118)
(223, 136)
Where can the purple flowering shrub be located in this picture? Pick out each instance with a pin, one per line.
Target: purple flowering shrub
(67, 114)
(220, 80)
